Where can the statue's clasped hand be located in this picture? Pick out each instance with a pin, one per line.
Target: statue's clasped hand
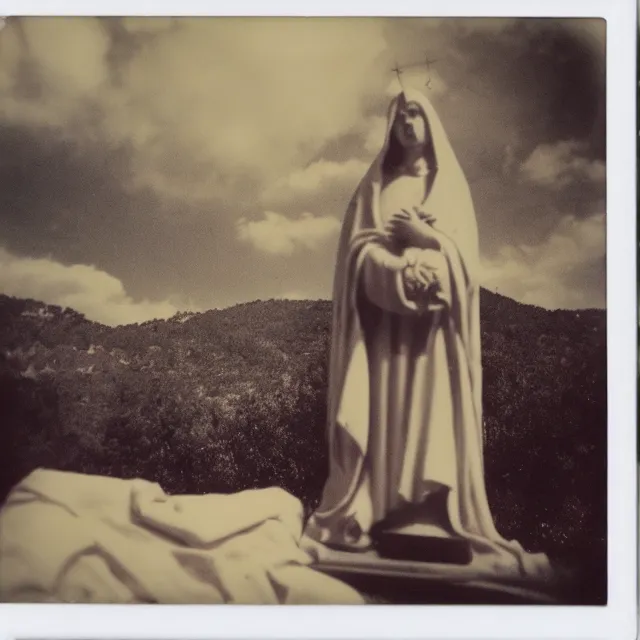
(419, 277)
(413, 228)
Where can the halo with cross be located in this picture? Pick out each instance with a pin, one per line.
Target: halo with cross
(427, 63)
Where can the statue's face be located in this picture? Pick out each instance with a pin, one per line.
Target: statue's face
(410, 127)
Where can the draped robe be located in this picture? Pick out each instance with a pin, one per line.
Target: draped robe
(405, 380)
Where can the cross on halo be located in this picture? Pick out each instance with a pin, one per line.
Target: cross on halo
(427, 63)
(399, 70)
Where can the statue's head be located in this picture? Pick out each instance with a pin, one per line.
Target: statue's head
(409, 133)
(410, 127)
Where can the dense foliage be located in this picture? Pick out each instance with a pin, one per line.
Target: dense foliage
(232, 399)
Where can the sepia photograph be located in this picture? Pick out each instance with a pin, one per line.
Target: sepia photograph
(303, 311)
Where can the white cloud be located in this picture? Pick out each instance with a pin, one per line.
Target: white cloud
(202, 99)
(278, 235)
(98, 295)
(509, 158)
(66, 59)
(320, 176)
(558, 165)
(544, 274)
(373, 134)
(10, 49)
(65, 70)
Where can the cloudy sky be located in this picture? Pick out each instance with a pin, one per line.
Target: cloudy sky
(151, 165)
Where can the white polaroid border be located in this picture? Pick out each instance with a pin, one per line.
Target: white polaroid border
(617, 619)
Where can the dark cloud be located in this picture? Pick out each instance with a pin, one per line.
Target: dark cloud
(71, 201)
(55, 196)
(556, 77)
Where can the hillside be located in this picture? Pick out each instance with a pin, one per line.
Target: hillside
(231, 399)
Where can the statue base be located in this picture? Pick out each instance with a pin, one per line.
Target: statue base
(422, 533)
(409, 582)
(426, 565)
(422, 543)
(416, 558)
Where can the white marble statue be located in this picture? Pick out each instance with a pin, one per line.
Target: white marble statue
(405, 395)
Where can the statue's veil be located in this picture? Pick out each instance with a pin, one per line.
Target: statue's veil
(449, 199)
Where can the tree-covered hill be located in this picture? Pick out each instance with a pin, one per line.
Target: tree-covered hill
(235, 398)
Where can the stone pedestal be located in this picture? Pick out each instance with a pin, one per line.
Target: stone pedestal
(417, 558)
(410, 581)
(422, 543)
(421, 533)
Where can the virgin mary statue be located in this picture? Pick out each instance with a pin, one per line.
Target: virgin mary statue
(405, 396)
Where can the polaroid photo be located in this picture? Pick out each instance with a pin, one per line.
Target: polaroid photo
(331, 306)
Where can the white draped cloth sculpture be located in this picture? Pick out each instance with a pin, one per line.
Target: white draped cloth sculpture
(70, 537)
(405, 380)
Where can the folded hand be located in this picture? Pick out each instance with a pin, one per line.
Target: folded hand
(413, 228)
